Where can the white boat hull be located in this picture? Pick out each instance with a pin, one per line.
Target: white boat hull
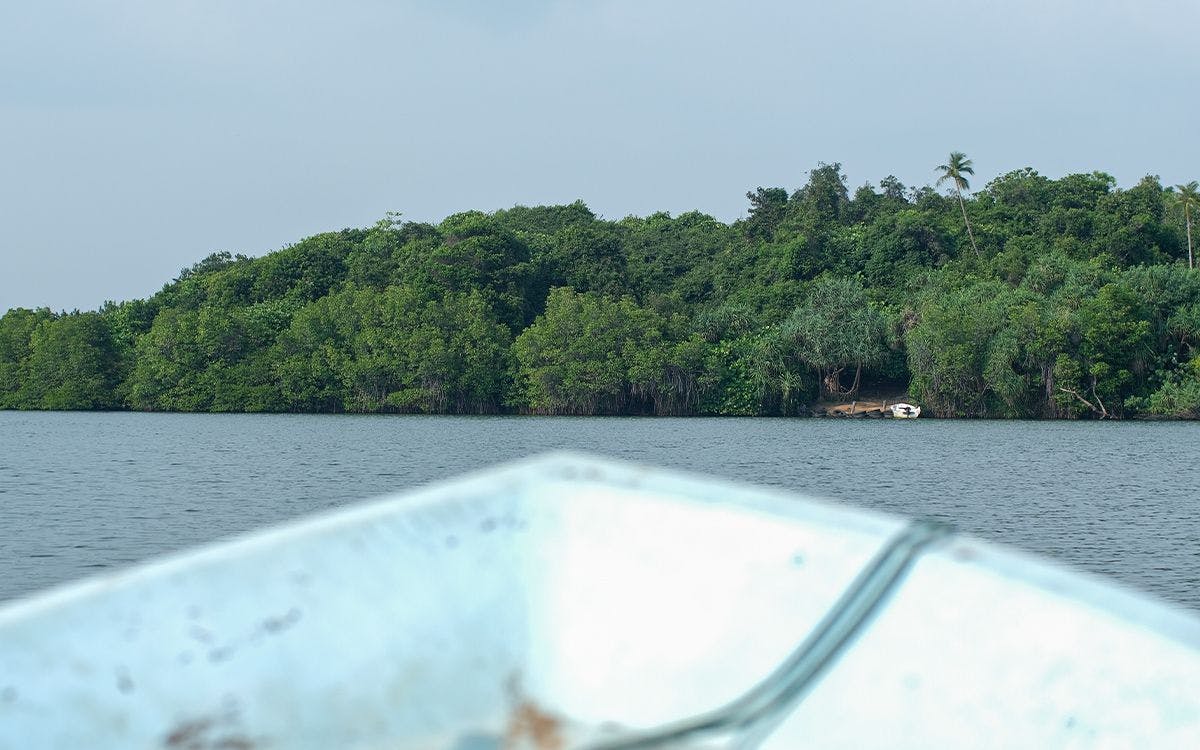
(567, 595)
(905, 411)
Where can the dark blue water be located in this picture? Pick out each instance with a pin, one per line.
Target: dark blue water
(82, 493)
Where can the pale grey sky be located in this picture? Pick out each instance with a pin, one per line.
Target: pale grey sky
(141, 135)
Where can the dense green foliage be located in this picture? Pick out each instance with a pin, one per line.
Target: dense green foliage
(1032, 297)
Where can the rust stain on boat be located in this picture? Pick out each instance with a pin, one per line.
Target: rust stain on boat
(204, 734)
(531, 728)
(188, 733)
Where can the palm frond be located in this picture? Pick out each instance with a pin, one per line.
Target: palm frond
(1189, 193)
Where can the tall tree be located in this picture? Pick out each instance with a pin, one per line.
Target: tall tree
(1188, 199)
(72, 364)
(837, 328)
(768, 206)
(952, 171)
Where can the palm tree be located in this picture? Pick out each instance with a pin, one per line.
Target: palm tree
(1188, 198)
(953, 170)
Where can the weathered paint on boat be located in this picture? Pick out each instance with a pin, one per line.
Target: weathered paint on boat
(567, 599)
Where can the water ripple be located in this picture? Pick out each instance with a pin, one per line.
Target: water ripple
(1118, 499)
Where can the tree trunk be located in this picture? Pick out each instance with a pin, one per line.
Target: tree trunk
(857, 380)
(1100, 410)
(967, 221)
(1050, 409)
(832, 382)
(1187, 214)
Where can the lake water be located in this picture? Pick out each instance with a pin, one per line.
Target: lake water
(82, 493)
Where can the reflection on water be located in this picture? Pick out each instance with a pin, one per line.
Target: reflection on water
(84, 492)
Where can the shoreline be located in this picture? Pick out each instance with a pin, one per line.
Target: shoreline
(865, 410)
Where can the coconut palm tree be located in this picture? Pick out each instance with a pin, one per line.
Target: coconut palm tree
(953, 171)
(1188, 198)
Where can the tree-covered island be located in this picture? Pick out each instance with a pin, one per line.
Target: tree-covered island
(1031, 297)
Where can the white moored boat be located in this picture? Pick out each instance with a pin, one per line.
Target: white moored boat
(905, 411)
(568, 602)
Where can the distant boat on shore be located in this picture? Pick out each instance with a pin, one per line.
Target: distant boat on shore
(905, 411)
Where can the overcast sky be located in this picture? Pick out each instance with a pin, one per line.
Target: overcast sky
(138, 136)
